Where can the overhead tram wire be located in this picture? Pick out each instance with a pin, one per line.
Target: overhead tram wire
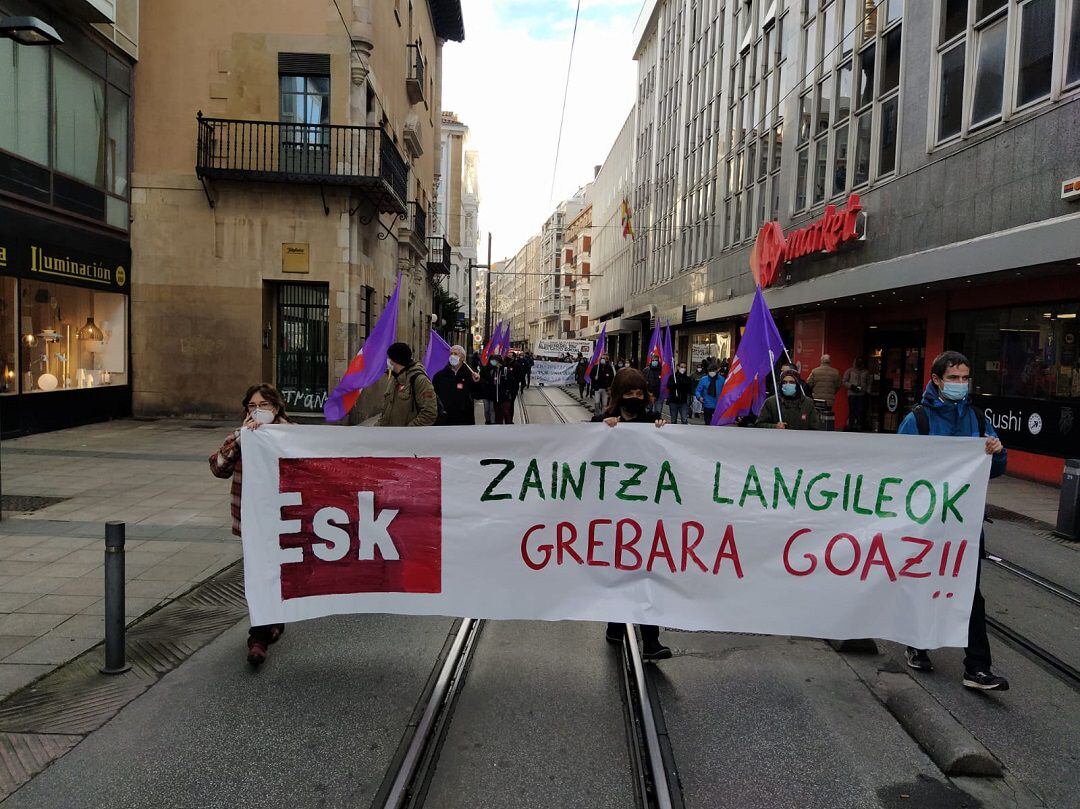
(566, 92)
(352, 45)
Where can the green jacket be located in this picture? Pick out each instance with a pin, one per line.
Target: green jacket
(409, 400)
(799, 413)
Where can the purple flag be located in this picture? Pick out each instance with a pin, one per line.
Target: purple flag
(438, 354)
(492, 346)
(667, 363)
(744, 391)
(368, 365)
(598, 352)
(504, 346)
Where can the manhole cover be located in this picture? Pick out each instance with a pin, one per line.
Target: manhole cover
(26, 502)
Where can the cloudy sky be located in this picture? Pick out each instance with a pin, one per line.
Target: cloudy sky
(505, 81)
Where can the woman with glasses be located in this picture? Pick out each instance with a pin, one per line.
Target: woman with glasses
(262, 405)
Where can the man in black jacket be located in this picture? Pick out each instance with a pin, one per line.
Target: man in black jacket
(456, 386)
(502, 389)
(680, 388)
(602, 376)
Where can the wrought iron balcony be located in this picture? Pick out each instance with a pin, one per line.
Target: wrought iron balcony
(414, 78)
(360, 157)
(413, 231)
(438, 262)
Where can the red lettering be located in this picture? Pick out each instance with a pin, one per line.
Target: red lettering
(959, 558)
(594, 543)
(621, 545)
(729, 551)
(688, 547)
(944, 559)
(835, 228)
(811, 557)
(911, 561)
(854, 547)
(878, 556)
(566, 544)
(660, 541)
(545, 549)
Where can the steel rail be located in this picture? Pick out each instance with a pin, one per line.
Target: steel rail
(1055, 665)
(1035, 578)
(656, 774)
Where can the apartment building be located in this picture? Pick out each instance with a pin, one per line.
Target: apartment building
(577, 264)
(458, 211)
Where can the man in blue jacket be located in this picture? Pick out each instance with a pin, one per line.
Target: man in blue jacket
(947, 409)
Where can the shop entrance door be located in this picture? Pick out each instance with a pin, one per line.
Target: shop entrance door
(303, 337)
(896, 359)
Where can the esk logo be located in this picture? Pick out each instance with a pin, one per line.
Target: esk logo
(361, 525)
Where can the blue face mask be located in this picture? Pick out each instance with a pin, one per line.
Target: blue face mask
(954, 391)
(788, 389)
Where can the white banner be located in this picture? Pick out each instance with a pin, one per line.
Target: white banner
(553, 373)
(787, 533)
(560, 348)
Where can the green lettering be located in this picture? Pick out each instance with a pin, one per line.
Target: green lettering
(747, 489)
(855, 503)
(489, 492)
(634, 480)
(532, 480)
(665, 482)
(883, 498)
(847, 491)
(554, 477)
(779, 484)
(567, 477)
(925, 518)
(603, 466)
(716, 488)
(949, 503)
(828, 495)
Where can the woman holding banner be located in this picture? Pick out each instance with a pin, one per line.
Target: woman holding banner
(262, 405)
(629, 404)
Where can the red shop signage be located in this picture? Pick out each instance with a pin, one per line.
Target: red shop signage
(832, 231)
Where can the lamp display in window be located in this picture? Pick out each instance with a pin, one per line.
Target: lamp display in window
(90, 331)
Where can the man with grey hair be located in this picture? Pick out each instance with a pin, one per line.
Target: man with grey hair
(824, 382)
(456, 385)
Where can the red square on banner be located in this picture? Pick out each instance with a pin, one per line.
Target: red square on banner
(367, 525)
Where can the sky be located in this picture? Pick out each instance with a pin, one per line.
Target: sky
(505, 82)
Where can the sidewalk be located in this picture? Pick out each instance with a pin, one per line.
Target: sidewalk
(61, 488)
(1036, 501)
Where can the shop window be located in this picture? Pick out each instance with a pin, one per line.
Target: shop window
(9, 337)
(70, 337)
(79, 122)
(1026, 351)
(24, 97)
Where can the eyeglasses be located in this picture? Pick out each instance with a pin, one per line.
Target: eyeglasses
(252, 406)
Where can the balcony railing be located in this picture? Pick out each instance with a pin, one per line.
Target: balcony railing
(414, 78)
(413, 231)
(438, 262)
(324, 154)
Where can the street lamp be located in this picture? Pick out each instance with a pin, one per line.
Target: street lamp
(29, 31)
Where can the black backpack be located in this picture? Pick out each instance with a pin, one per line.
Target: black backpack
(922, 420)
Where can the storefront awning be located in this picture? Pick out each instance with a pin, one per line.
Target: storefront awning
(617, 325)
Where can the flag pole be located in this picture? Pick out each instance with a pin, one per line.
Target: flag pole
(776, 386)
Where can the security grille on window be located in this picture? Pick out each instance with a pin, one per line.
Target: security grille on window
(849, 110)
(999, 57)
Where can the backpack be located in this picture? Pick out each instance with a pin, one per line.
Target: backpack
(922, 420)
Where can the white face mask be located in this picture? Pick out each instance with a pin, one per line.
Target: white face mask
(682, 369)
(389, 366)
(455, 360)
(263, 416)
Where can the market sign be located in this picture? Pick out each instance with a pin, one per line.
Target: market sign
(833, 231)
(1070, 189)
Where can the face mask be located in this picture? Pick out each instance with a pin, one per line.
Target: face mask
(712, 373)
(682, 369)
(263, 416)
(954, 391)
(455, 360)
(788, 389)
(390, 366)
(494, 364)
(633, 407)
(603, 362)
(655, 365)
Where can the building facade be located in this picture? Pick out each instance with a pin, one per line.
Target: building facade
(65, 248)
(285, 175)
(939, 142)
(577, 264)
(458, 211)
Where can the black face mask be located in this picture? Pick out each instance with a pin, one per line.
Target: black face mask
(633, 407)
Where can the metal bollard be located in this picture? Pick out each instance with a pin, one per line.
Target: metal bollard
(114, 599)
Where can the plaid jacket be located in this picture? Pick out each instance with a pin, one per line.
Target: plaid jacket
(226, 463)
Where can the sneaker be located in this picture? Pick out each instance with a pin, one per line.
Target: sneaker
(918, 659)
(985, 681)
(615, 637)
(657, 652)
(256, 655)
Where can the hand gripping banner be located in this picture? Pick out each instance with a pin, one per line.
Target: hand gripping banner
(738, 530)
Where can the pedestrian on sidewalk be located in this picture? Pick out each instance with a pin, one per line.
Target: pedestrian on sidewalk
(602, 377)
(262, 405)
(580, 370)
(630, 404)
(455, 386)
(796, 410)
(947, 409)
(409, 400)
(708, 391)
(679, 388)
(857, 383)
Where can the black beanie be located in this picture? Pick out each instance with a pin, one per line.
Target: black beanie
(400, 353)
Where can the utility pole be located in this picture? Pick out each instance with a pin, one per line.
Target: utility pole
(487, 296)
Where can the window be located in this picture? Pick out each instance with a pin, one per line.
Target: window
(79, 121)
(24, 96)
(996, 57)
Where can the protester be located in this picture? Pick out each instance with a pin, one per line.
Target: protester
(503, 390)
(519, 365)
(629, 403)
(262, 405)
(796, 410)
(947, 410)
(708, 391)
(456, 386)
(824, 382)
(790, 366)
(652, 380)
(529, 361)
(857, 383)
(679, 389)
(409, 400)
(602, 376)
(580, 370)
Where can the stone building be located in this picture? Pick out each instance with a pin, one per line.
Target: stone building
(458, 211)
(284, 175)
